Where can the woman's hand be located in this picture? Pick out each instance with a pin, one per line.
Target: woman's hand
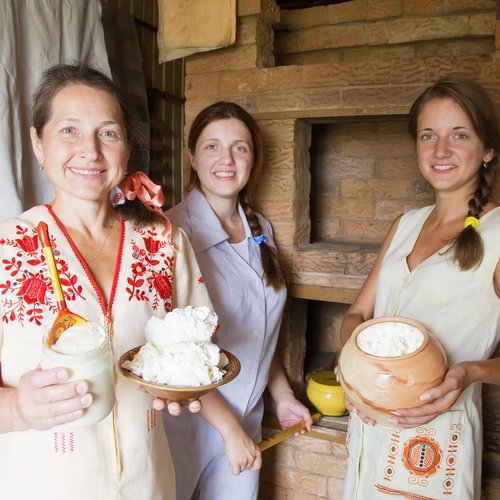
(290, 411)
(439, 399)
(44, 399)
(242, 453)
(174, 407)
(352, 409)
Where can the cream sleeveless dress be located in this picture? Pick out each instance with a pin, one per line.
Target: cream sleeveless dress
(442, 459)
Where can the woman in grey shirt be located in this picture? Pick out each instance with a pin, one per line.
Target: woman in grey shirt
(236, 254)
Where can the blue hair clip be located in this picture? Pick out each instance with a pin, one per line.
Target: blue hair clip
(260, 239)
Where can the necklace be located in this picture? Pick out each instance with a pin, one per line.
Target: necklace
(104, 242)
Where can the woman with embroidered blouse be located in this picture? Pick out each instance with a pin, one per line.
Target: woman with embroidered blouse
(120, 262)
(439, 265)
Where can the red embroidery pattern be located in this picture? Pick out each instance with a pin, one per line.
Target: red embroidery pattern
(64, 443)
(151, 419)
(451, 458)
(29, 282)
(56, 443)
(151, 270)
(71, 442)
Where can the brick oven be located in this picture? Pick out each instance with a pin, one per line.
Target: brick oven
(331, 87)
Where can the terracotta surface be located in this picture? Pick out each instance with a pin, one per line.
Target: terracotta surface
(376, 385)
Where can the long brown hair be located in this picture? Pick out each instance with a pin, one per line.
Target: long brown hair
(61, 76)
(223, 111)
(477, 105)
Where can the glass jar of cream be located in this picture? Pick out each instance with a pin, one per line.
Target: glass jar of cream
(91, 361)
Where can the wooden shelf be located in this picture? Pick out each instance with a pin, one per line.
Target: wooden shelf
(322, 293)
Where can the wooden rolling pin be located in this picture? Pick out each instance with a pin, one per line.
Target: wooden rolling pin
(280, 436)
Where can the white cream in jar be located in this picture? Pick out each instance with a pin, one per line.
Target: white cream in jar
(86, 353)
(390, 339)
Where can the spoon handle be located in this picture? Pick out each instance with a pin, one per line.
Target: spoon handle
(43, 235)
(280, 436)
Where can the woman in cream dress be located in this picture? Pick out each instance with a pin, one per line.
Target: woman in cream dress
(440, 266)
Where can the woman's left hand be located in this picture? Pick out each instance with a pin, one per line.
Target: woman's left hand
(290, 411)
(438, 400)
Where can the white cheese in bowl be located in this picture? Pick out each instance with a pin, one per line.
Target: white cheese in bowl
(390, 339)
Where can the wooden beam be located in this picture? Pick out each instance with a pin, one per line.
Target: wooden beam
(322, 293)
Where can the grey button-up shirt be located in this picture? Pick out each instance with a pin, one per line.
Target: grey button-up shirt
(249, 311)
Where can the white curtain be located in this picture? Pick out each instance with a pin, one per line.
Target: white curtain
(34, 35)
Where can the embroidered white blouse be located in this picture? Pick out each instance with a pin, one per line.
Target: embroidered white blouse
(125, 456)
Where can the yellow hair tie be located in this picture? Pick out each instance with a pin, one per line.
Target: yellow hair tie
(471, 221)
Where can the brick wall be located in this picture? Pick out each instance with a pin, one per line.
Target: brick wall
(305, 468)
(340, 78)
(364, 174)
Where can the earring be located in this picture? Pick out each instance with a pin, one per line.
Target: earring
(41, 166)
(485, 165)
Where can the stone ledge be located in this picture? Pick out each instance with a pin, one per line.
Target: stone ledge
(331, 271)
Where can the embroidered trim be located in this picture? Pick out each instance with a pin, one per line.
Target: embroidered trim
(30, 286)
(392, 456)
(151, 270)
(451, 458)
(151, 419)
(401, 493)
(26, 293)
(83, 264)
(421, 456)
(64, 442)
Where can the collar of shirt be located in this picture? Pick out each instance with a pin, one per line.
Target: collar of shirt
(209, 231)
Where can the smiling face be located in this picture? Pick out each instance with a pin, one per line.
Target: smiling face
(449, 151)
(83, 146)
(223, 158)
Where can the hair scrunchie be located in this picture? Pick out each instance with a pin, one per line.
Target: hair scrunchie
(139, 185)
(260, 239)
(471, 221)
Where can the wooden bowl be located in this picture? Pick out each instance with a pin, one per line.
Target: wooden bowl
(179, 394)
(376, 385)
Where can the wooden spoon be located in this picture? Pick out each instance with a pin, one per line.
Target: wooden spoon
(280, 436)
(65, 318)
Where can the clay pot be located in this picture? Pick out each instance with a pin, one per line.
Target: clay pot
(325, 393)
(378, 384)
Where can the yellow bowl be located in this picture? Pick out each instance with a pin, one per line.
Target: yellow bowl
(180, 394)
(325, 393)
